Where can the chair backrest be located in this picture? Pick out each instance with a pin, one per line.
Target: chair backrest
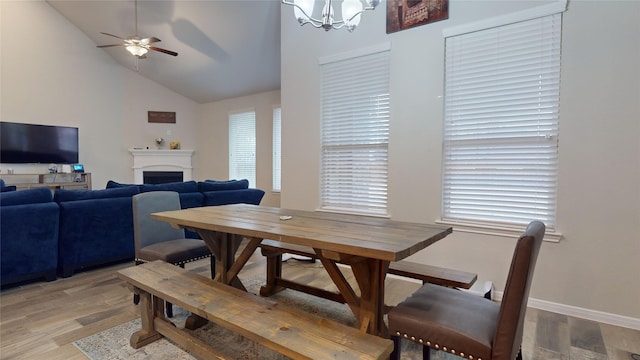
(148, 231)
(508, 337)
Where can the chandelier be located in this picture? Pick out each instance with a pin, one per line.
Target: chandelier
(351, 11)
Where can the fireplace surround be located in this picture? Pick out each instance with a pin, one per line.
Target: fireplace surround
(148, 160)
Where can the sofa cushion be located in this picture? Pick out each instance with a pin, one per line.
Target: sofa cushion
(179, 187)
(213, 185)
(112, 184)
(94, 232)
(191, 200)
(73, 195)
(224, 197)
(29, 196)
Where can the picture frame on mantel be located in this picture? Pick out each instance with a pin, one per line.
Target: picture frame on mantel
(164, 117)
(405, 14)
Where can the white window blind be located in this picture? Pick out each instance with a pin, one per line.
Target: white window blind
(277, 141)
(355, 133)
(500, 158)
(242, 146)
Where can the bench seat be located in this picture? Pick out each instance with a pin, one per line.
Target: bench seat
(426, 273)
(286, 330)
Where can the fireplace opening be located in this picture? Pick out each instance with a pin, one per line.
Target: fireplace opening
(161, 177)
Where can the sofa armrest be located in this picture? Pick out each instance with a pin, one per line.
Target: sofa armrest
(28, 241)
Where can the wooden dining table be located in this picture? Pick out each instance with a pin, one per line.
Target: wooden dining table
(366, 244)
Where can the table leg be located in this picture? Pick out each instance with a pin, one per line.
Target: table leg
(224, 247)
(370, 275)
(274, 272)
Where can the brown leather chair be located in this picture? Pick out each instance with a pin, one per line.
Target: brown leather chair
(158, 240)
(467, 325)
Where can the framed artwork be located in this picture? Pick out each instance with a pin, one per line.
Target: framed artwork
(167, 117)
(174, 145)
(405, 14)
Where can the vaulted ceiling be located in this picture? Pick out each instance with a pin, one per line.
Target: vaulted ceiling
(227, 48)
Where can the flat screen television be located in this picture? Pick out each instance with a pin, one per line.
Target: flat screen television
(30, 143)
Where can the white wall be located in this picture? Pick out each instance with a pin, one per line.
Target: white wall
(51, 73)
(212, 156)
(595, 266)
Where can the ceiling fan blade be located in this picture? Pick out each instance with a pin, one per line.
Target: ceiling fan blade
(173, 53)
(115, 36)
(150, 40)
(102, 46)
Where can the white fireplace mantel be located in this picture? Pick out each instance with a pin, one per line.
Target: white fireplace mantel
(161, 160)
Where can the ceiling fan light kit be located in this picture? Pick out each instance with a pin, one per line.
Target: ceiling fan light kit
(135, 45)
(351, 11)
(136, 50)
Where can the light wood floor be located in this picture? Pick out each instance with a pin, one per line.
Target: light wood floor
(42, 320)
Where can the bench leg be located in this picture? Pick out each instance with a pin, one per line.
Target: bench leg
(274, 272)
(151, 308)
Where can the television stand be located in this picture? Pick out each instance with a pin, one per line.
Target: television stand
(55, 181)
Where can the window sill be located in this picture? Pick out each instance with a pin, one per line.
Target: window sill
(503, 231)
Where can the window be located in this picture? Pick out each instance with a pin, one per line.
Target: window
(500, 155)
(355, 132)
(242, 146)
(277, 155)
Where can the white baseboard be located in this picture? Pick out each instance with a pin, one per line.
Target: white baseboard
(594, 315)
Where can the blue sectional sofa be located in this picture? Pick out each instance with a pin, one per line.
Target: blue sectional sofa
(77, 229)
(28, 235)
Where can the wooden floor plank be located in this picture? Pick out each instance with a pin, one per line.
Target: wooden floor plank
(65, 352)
(96, 327)
(586, 335)
(552, 332)
(627, 340)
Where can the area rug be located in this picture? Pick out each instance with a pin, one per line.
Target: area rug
(113, 344)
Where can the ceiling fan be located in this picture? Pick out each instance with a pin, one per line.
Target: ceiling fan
(137, 46)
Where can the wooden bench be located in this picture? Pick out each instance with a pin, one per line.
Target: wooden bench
(273, 251)
(286, 330)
